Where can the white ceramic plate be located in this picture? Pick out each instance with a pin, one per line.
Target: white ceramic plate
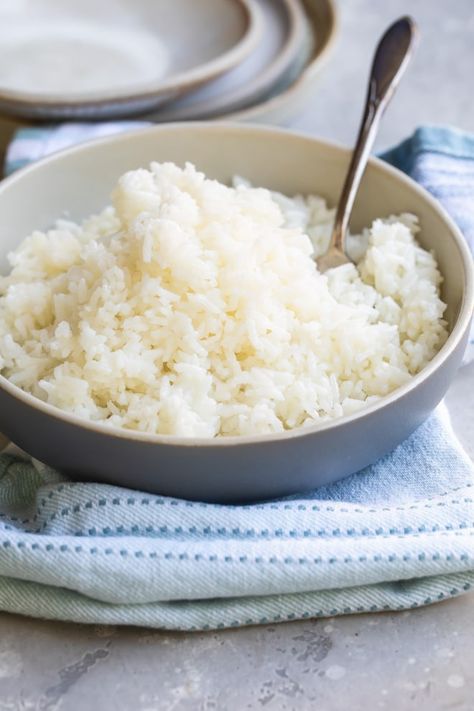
(66, 54)
(284, 43)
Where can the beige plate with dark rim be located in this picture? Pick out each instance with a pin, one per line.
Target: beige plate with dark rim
(286, 46)
(85, 59)
(288, 97)
(287, 101)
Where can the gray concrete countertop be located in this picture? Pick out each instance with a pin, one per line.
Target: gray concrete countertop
(419, 660)
(438, 85)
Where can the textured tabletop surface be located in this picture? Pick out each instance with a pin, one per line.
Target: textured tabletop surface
(419, 660)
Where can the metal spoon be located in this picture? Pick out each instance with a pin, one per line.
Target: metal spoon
(390, 61)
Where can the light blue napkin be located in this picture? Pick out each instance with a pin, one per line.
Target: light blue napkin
(397, 535)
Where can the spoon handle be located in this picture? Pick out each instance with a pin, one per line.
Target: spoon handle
(389, 63)
(4, 442)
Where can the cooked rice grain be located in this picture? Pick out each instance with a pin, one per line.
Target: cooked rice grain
(195, 309)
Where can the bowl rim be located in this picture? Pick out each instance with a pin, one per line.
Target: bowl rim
(175, 84)
(456, 335)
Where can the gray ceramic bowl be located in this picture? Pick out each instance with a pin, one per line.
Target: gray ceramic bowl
(77, 182)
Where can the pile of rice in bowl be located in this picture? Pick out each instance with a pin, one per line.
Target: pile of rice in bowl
(191, 308)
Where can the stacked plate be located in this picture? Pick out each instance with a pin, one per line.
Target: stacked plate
(166, 61)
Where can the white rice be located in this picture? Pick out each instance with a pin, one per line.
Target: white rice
(195, 309)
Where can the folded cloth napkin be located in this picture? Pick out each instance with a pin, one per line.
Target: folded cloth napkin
(396, 535)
